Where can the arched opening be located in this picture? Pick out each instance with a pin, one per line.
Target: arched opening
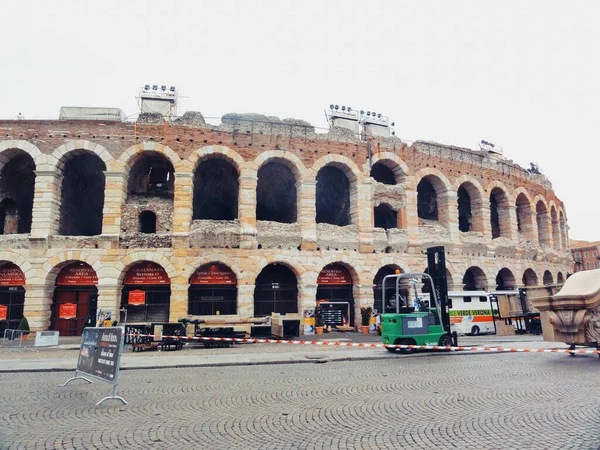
(499, 214)
(82, 198)
(276, 193)
(75, 299)
(147, 222)
(385, 217)
(146, 293)
(12, 296)
(390, 289)
(449, 283)
(505, 280)
(427, 201)
(560, 279)
(383, 174)
(547, 278)
(333, 197)
(334, 296)
(475, 280)
(150, 188)
(524, 216)
(17, 183)
(464, 209)
(213, 291)
(275, 291)
(530, 278)
(555, 228)
(216, 187)
(541, 215)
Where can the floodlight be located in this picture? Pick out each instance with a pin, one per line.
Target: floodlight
(393, 124)
(147, 87)
(331, 106)
(361, 112)
(349, 109)
(337, 107)
(379, 116)
(368, 113)
(163, 87)
(343, 108)
(172, 89)
(154, 87)
(393, 133)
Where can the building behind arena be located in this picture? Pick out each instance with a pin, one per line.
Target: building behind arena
(181, 219)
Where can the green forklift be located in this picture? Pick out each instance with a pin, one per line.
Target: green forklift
(418, 321)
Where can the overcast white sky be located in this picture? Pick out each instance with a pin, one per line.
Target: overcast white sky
(524, 75)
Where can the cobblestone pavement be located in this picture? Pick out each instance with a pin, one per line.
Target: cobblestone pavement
(513, 401)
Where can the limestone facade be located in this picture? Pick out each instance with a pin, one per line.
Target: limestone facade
(530, 232)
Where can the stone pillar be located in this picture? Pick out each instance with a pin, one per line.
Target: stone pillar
(544, 233)
(46, 203)
(362, 201)
(529, 226)
(115, 194)
(307, 299)
(179, 299)
(109, 297)
(556, 238)
(448, 216)
(182, 209)
(247, 208)
(245, 300)
(412, 218)
(38, 303)
(307, 213)
(363, 298)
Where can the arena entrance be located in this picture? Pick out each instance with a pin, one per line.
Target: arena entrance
(334, 296)
(390, 289)
(213, 291)
(275, 291)
(75, 299)
(146, 293)
(12, 296)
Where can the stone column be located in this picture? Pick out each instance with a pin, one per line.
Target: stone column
(246, 300)
(412, 218)
(307, 213)
(179, 299)
(247, 208)
(38, 303)
(46, 204)
(115, 194)
(364, 215)
(448, 213)
(182, 209)
(109, 297)
(363, 298)
(307, 299)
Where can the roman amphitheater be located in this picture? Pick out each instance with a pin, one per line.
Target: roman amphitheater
(255, 216)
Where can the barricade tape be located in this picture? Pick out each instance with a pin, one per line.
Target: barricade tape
(369, 345)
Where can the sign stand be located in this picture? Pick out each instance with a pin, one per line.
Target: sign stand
(100, 357)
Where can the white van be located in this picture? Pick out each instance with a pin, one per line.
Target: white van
(471, 312)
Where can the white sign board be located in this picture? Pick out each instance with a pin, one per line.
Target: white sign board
(46, 338)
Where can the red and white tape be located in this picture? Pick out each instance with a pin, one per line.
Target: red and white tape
(373, 345)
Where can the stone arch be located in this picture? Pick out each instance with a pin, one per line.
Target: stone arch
(6, 148)
(341, 162)
(500, 204)
(560, 278)
(297, 269)
(123, 265)
(66, 151)
(525, 214)
(433, 190)
(20, 261)
(547, 278)
(474, 218)
(441, 181)
(542, 215)
(278, 180)
(393, 162)
(216, 151)
(288, 159)
(562, 223)
(555, 225)
(56, 263)
(17, 188)
(530, 278)
(130, 156)
(505, 279)
(475, 279)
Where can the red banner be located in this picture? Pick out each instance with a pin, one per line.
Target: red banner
(67, 311)
(334, 274)
(137, 297)
(3, 312)
(11, 275)
(77, 274)
(213, 274)
(147, 273)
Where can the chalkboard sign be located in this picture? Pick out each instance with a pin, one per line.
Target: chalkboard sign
(100, 352)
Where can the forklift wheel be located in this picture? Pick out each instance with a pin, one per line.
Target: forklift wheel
(391, 349)
(445, 341)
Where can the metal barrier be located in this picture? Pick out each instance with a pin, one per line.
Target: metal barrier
(13, 338)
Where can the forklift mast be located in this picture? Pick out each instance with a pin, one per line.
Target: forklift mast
(436, 267)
